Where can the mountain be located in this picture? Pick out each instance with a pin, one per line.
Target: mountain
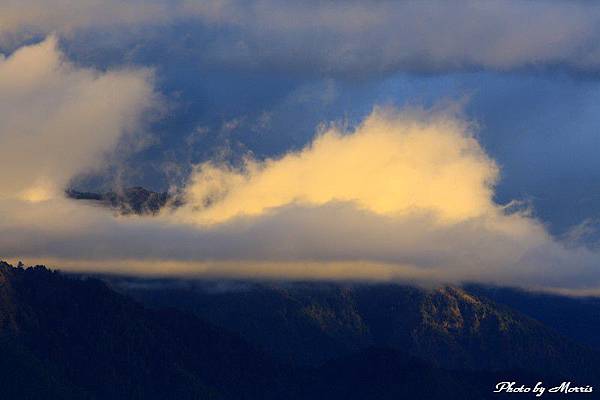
(76, 338)
(385, 373)
(313, 323)
(577, 318)
(73, 337)
(134, 200)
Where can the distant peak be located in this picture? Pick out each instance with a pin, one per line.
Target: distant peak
(132, 200)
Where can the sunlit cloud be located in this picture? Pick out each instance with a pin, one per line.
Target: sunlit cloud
(392, 164)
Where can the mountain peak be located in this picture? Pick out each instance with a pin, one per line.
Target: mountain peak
(133, 200)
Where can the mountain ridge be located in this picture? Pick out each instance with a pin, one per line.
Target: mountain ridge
(105, 345)
(73, 337)
(313, 323)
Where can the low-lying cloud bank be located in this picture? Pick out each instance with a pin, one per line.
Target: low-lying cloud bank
(405, 195)
(348, 37)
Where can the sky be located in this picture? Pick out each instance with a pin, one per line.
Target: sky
(413, 140)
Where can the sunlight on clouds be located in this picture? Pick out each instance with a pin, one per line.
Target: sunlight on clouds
(302, 270)
(38, 193)
(404, 195)
(392, 164)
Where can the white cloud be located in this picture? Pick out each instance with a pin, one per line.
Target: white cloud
(58, 120)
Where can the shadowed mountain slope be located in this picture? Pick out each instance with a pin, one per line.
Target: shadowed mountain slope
(77, 338)
(311, 323)
(575, 317)
(71, 337)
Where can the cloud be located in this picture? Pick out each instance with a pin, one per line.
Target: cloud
(340, 37)
(23, 18)
(58, 120)
(385, 36)
(405, 195)
(392, 164)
